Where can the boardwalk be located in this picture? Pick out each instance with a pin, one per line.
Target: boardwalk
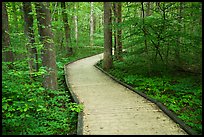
(112, 109)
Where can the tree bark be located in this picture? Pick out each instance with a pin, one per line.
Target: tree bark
(101, 22)
(177, 48)
(145, 31)
(91, 24)
(148, 12)
(157, 5)
(6, 46)
(107, 60)
(114, 31)
(66, 28)
(119, 31)
(32, 51)
(76, 24)
(48, 51)
(144, 28)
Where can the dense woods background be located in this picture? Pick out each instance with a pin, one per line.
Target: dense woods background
(156, 47)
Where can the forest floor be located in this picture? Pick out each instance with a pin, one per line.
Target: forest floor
(110, 108)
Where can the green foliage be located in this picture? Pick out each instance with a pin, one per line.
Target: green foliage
(27, 108)
(170, 69)
(179, 92)
(170, 36)
(174, 44)
(98, 39)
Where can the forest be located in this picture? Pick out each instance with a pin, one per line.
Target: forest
(155, 47)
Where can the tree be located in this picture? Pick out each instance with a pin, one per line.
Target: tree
(76, 24)
(177, 48)
(48, 51)
(66, 28)
(32, 50)
(91, 24)
(119, 31)
(114, 31)
(144, 28)
(107, 60)
(6, 46)
(148, 12)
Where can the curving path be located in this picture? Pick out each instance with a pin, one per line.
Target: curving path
(112, 109)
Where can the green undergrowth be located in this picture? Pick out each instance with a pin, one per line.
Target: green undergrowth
(29, 109)
(180, 92)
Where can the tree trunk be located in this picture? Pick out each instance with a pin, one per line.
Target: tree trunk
(157, 6)
(177, 48)
(101, 22)
(145, 33)
(66, 28)
(54, 7)
(94, 21)
(107, 60)
(6, 47)
(148, 12)
(32, 51)
(144, 28)
(76, 25)
(114, 31)
(91, 24)
(119, 31)
(58, 17)
(48, 51)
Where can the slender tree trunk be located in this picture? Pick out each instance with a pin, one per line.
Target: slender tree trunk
(69, 7)
(76, 24)
(94, 21)
(157, 5)
(107, 60)
(53, 17)
(145, 32)
(200, 20)
(101, 22)
(58, 17)
(32, 51)
(48, 51)
(7, 54)
(66, 28)
(114, 31)
(119, 31)
(144, 28)
(148, 12)
(91, 24)
(177, 48)
(164, 29)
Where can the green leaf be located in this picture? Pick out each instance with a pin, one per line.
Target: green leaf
(5, 106)
(43, 26)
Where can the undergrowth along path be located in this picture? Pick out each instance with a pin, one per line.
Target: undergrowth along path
(112, 109)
